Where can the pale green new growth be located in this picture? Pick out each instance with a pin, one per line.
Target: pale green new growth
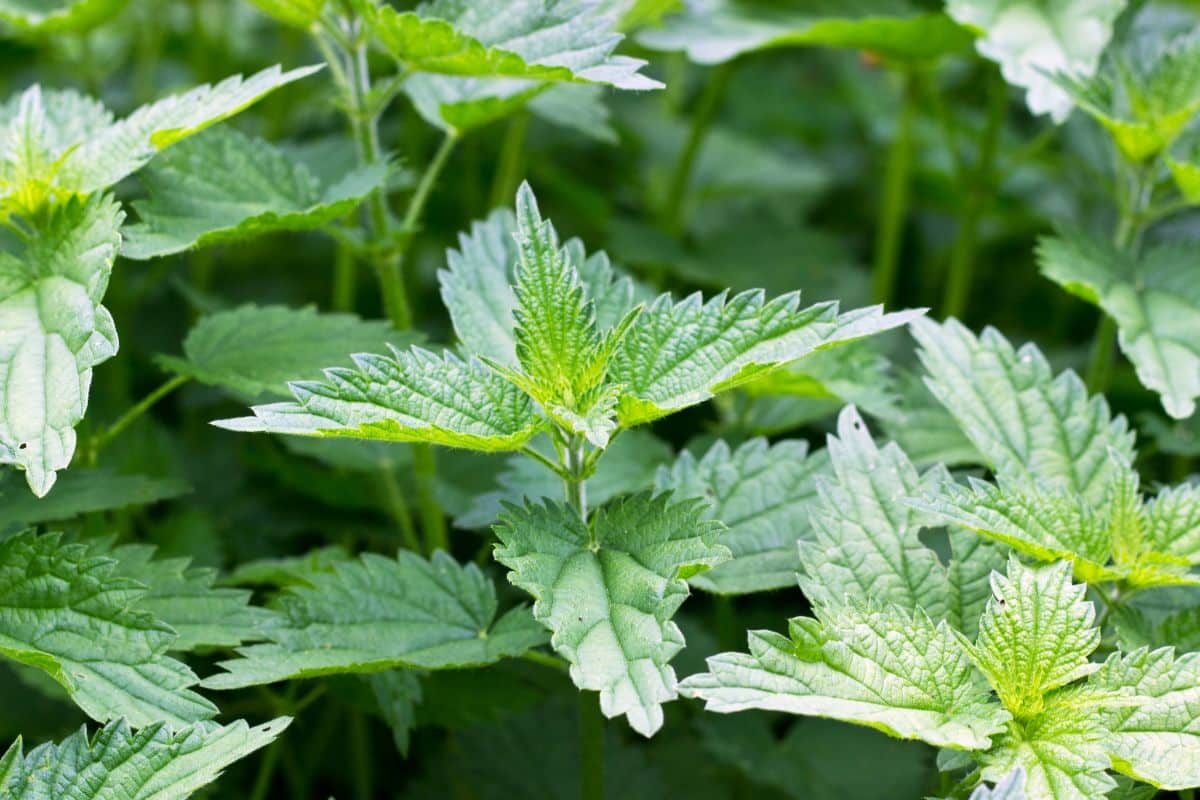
(223, 186)
(608, 589)
(1030, 426)
(72, 615)
(413, 396)
(1155, 301)
(155, 763)
(897, 672)
(1032, 40)
(1036, 635)
(53, 331)
(763, 494)
(378, 613)
(58, 144)
(716, 31)
(57, 16)
(254, 351)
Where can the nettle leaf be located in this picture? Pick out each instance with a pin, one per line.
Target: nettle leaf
(1145, 97)
(57, 16)
(53, 331)
(378, 613)
(1032, 427)
(716, 31)
(83, 491)
(1061, 750)
(763, 494)
(885, 668)
(155, 763)
(398, 693)
(224, 186)
(1154, 299)
(1010, 787)
(477, 289)
(551, 40)
(676, 355)
(1154, 734)
(413, 396)
(58, 144)
(1171, 523)
(71, 614)
(184, 597)
(1035, 635)
(254, 351)
(608, 589)
(1032, 40)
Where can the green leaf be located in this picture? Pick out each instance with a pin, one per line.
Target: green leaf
(676, 355)
(1171, 523)
(83, 491)
(1061, 750)
(54, 145)
(398, 693)
(557, 40)
(897, 672)
(254, 351)
(1154, 734)
(865, 538)
(925, 430)
(1031, 426)
(413, 396)
(763, 494)
(68, 613)
(155, 763)
(378, 613)
(1155, 301)
(184, 597)
(1035, 636)
(1032, 40)
(298, 13)
(1179, 629)
(53, 331)
(1010, 787)
(716, 31)
(608, 589)
(57, 16)
(224, 186)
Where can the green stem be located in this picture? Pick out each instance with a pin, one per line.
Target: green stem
(894, 203)
(1100, 361)
(345, 278)
(266, 771)
(129, 417)
(512, 161)
(576, 484)
(416, 204)
(433, 521)
(702, 118)
(978, 198)
(360, 754)
(546, 660)
(591, 742)
(398, 507)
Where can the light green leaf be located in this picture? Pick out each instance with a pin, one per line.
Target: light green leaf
(1031, 426)
(255, 351)
(676, 355)
(223, 186)
(1010, 787)
(973, 560)
(556, 40)
(884, 668)
(68, 613)
(182, 596)
(763, 494)
(57, 16)
(1155, 301)
(608, 589)
(865, 537)
(925, 430)
(716, 31)
(298, 13)
(1154, 734)
(1179, 629)
(1171, 523)
(82, 491)
(1032, 40)
(460, 105)
(577, 107)
(378, 613)
(58, 144)
(398, 693)
(53, 331)
(1061, 750)
(155, 763)
(413, 396)
(1035, 636)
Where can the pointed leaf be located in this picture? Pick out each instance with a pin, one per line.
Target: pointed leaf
(378, 613)
(398, 693)
(608, 590)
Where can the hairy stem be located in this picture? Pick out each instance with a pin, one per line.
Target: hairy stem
(978, 198)
(702, 117)
(894, 203)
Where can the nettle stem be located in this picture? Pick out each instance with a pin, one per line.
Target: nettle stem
(132, 415)
(894, 203)
(675, 204)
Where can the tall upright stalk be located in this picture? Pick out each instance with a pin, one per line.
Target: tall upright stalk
(894, 203)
